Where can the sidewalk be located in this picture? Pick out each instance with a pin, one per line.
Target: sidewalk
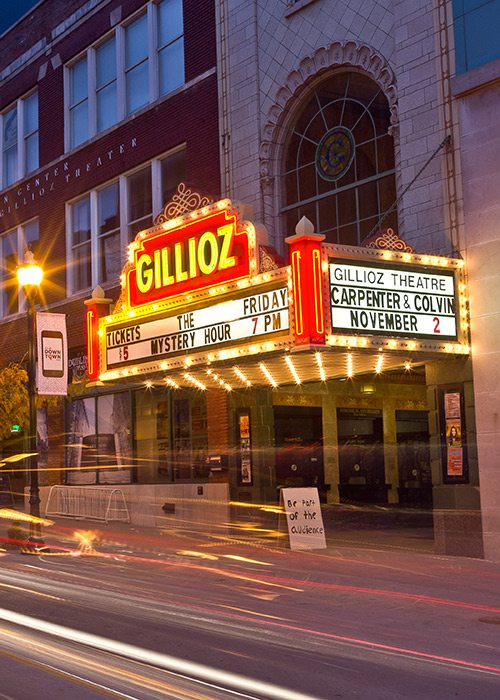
(350, 528)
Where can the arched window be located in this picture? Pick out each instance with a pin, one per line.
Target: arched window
(339, 160)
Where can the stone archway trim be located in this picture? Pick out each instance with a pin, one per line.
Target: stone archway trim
(338, 54)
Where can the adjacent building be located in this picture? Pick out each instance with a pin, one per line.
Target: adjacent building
(105, 108)
(476, 94)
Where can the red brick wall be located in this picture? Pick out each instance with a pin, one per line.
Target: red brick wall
(189, 117)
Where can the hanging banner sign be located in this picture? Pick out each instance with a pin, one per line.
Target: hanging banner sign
(52, 347)
(304, 518)
(231, 321)
(205, 251)
(380, 299)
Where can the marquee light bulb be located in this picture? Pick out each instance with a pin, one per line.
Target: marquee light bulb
(268, 375)
(292, 369)
(349, 365)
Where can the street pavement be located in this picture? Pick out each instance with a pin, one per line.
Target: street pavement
(376, 615)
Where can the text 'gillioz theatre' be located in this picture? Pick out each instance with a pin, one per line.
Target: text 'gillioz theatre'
(268, 374)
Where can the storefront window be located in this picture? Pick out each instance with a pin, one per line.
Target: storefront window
(190, 437)
(99, 444)
(152, 435)
(339, 160)
(170, 435)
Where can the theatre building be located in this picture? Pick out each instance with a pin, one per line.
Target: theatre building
(222, 362)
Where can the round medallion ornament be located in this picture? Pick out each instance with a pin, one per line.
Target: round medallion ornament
(335, 153)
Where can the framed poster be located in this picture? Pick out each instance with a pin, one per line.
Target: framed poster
(244, 446)
(453, 434)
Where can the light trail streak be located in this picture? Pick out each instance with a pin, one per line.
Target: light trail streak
(249, 612)
(105, 669)
(187, 669)
(246, 560)
(30, 590)
(291, 584)
(63, 674)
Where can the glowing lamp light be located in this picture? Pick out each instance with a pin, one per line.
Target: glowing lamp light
(268, 375)
(350, 369)
(292, 369)
(242, 376)
(29, 274)
(321, 368)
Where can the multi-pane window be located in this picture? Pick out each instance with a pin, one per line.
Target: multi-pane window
(9, 147)
(79, 103)
(339, 161)
(108, 216)
(30, 133)
(140, 201)
(103, 222)
(81, 243)
(170, 45)
(137, 63)
(13, 245)
(106, 85)
(19, 140)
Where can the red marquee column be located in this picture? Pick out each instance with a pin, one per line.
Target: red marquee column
(97, 307)
(307, 280)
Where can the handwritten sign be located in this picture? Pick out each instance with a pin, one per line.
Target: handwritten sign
(303, 518)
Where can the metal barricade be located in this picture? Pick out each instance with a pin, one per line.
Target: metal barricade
(92, 503)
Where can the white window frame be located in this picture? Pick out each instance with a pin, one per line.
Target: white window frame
(118, 32)
(21, 250)
(92, 77)
(21, 169)
(157, 206)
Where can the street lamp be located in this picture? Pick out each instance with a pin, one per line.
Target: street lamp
(30, 276)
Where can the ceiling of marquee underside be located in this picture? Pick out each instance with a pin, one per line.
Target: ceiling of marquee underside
(291, 368)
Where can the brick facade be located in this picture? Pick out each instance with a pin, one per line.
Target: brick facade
(62, 30)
